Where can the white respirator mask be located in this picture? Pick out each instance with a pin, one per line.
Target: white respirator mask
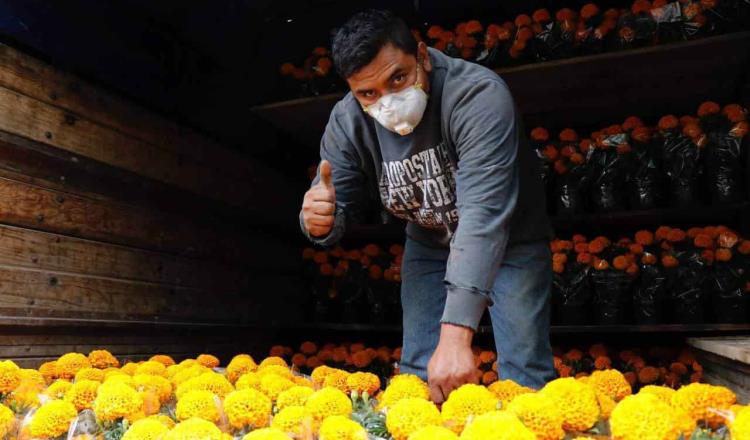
(400, 112)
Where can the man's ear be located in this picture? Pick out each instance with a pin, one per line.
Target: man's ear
(424, 55)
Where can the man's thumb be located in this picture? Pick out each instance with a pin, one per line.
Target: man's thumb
(325, 173)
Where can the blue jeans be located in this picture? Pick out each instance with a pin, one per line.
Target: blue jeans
(520, 310)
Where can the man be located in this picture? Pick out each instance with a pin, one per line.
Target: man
(439, 140)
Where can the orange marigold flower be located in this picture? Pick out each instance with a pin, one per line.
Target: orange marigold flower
(473, 27)
(541, 16)
(641, 7)
(708, 256)
(636, 248)
(662, 232)
(676, 235)
(565, 14)
(678, 368)
(744, 247)
(740, 129)
(648, 375)
(703, 241)
(584, 258)
(727, 239)
(522, 20)
(540, 134)
(489, 377)
(734, 112)
(578, 238)
(361, 359)
(708, 108)
(648, 259)
(692, 130)
(560, 167)
(620, 262)
(668, 122)
(602, 363)
(589, 10)
(567, 151)
(581, 247)
(631, 378)
(601, 264)
(723, 254)
(631, 123)
(669, 261)
(568, 135)
(573, 355)
(435, 32)
(644, 238)
(641, 134)
(596, 246)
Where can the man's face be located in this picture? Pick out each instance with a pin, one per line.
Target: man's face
(390, 71)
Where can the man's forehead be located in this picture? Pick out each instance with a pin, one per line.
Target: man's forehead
(389, 59)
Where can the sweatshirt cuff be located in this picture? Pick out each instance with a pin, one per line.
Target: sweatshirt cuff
(337, 231)
(464, 307)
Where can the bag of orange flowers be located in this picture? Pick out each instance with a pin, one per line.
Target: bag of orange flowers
(636, 28)
(682, 142)
(686, 270)
(645, 186)
(649, 292)
(614, 273)
(570, 180)
(724, 279)
(571, 286)
(608, 164)
(725, 131)
(554, 39)
(595, 29)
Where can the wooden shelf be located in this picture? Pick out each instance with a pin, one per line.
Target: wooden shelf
(651, 218)
(594, 89)
(555, 329)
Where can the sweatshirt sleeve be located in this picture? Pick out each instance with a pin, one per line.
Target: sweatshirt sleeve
(483, 129)
(348, 181)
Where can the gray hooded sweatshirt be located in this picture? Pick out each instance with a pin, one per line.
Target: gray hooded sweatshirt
(467, 160)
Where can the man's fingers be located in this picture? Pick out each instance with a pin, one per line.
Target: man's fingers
(320, 220)
(436, 394)
(322, 208)
(326, 177)
(322, 193)
(319, 231)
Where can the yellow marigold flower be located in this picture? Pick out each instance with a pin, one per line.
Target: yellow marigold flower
(272, 385)
(319, 374)
(685, 423)
(23, 398)
(188, 373)
(69, 364)
(7, 420)
(700, 399)
(129, 368)
(173, 369)
(497, 425)
(539, 414)
(146, 429)
(433, 433)
(248, 408)
(10, 376)
(158, 385)
(408, 415)
(195, 429)
(401, 387)
(303, 381)
(163, 419)
(662, 392)
(163, 359)
(208, 360)
(31, 377)
(577, 403)
(151, 367)
(115, 401)
(341, 428)
(273, 360)
(611, 383)
(240, 365)
(82, 394)
(102, 359)
(266, 434)
(740, 427)
(52, 419)
(363, 383)
(643, 416)
(278, 370)
(248, 380)
(507, 390)
(58, 389)
(214, 382)
(328, 402)
(151, 402)
(188, 363)
(606, 405)
(89, 373)
(464, 402)
(121, 378)
(337, 379)
(294, 396)
(293, 420)
(198, 403)
(49, 371)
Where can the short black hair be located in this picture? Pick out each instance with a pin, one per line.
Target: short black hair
(358, 41)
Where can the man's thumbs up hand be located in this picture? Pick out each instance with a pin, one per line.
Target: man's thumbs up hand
(319, 205)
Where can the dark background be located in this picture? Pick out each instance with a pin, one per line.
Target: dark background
(206, 63)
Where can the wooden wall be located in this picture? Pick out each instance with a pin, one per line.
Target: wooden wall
(121, 229)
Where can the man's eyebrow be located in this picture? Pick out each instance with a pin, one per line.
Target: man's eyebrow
(395, 70)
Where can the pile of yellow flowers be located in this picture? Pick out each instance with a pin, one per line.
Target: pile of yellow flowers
(161, 399)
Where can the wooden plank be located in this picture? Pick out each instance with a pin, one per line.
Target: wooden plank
(53, 211)
(50, 293)
(41, 250)
(34, 78)
(735, 348)
(41, 122)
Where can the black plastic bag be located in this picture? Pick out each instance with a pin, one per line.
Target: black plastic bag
(636, 31)
(649, 295)
(670, 23)
(572, 295)
(570, 191)
(725, 286)
(681, 159)
(607, 170)
(554, 42)
(645, 185)
(724, 167)
(612, 293)
(685, 288)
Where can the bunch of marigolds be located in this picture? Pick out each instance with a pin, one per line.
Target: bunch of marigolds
(336, 397)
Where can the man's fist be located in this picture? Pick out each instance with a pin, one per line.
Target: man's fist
(319, 205)
(452, 364)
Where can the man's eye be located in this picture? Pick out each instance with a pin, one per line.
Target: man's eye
(399, 78)
(368, 94)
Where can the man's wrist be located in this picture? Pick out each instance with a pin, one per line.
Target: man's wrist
(456, 334)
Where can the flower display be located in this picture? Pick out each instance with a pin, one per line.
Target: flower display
(52, 419)
(248, 407)
(466, 402)
(116, 401)
(341, 428)
(409, 415)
